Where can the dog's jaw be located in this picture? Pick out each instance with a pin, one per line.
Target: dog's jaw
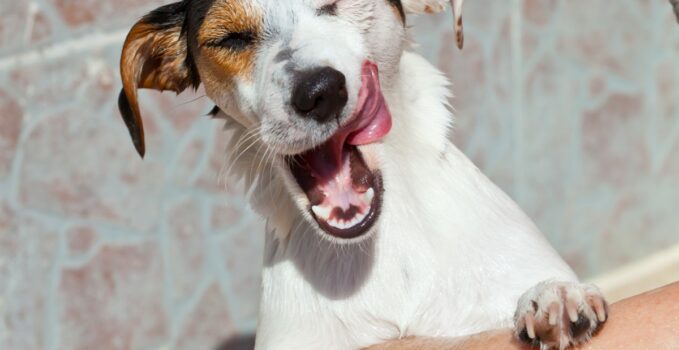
(342, 194)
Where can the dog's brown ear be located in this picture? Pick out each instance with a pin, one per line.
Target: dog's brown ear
(435, 6)
(155, 56)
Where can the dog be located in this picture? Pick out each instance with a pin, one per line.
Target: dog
(378, 227)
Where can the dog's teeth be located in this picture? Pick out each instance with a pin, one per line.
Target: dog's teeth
(336, 224)
(339, 223)
(368, 196)
(321, 212)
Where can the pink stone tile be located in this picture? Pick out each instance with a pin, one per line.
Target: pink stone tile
(613, 144)
(670, 166)
(531, 40)
(57, 82)
(667, 104)
(573, 221)
(114, 302)
(186, 240)
(28, 253)
(539, 12)
(11, 118)
(77, 166)
(214, 177)
(189, 160)
(549, 129)
(607, 37)
(80, 240)
(242, 256)
(23, 23)
(642, 222)
(183, 111)
(481, 82)
(597, 86)
(82, 13)
(543, 78)
(208, 325)
(6, 219)
(225, 215)
(41, 28)
(467, 69)
(15, 15)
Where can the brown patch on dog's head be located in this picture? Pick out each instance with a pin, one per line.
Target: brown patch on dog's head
(154, 56)
(174, 45)
(225, 43)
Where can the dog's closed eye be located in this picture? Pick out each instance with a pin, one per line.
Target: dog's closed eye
(238, 41)
(327, 10)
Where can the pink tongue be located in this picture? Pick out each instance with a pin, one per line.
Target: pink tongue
(376, 121)
(370, 123)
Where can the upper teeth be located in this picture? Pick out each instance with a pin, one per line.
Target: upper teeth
(322, 212)
(367, 197)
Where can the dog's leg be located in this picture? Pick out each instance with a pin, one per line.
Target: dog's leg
(556, 315)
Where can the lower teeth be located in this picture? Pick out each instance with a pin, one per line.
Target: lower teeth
(348, 224)
(324, 212)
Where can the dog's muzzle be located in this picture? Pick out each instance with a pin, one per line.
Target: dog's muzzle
(320, 94)
(345, 195)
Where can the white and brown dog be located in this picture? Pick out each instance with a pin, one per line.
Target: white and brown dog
(378, 226)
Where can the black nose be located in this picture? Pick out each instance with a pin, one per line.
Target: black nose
(320, 94)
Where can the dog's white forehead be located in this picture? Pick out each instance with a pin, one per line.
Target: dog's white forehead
(295, 36)
(281, 12)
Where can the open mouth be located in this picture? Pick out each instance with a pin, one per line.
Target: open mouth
(344, 194)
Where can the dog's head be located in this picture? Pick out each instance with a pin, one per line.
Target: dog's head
(304, 77)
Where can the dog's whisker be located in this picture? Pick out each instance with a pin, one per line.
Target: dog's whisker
(246, 137)
(270, 171)
(249, 136)
(241, 153)
(190, 101)
(252, 173)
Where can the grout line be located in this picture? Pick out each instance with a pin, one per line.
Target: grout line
(51, 319)
(63, 49)
(517, 98)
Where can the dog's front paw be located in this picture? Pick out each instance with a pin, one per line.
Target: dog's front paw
(556, 315)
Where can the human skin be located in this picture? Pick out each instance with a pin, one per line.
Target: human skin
(645, 321)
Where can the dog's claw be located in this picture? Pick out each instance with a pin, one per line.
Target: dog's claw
(553, 313)
(556, 315)
(572, 310)
(599, 307)
(530, 325)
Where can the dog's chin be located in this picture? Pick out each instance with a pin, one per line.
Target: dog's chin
(340, 177)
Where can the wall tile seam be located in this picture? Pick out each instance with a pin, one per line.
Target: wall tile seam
(517, 97)
(63, 49)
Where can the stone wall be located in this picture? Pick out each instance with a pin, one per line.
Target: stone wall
(571, 106)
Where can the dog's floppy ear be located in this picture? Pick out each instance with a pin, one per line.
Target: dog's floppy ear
(155, 56)
(434, 6)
